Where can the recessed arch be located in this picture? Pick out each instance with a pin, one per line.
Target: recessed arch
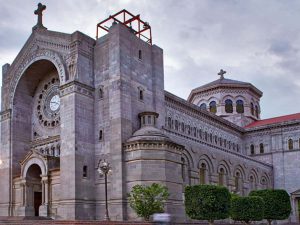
(32, 161)
(30, 60)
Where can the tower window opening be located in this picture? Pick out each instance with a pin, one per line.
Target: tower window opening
(140, 54)
(101, 135)
(84, 172)
(141, 95)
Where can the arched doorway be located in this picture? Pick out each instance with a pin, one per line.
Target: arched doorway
(34, 188)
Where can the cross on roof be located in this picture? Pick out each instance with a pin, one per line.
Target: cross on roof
(221, 73)
(39, 12)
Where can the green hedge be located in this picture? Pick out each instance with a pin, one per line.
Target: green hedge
(277, 203)
(207, 202)
(247, 209)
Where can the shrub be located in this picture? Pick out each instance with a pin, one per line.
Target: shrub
(247, 209)
(147, 200)
(277, 204)
(207, 202)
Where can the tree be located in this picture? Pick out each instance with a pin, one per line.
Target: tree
(207, 202)
(247, 209)
(147, 200)
(277, 204)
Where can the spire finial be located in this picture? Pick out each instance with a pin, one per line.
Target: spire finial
(221, 73)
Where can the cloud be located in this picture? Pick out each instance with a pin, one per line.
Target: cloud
(254, 41)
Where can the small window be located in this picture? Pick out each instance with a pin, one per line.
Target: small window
(261, 148)
(228, 106)
(203, 106)
(239, 106)
(141, 95)
(140, 54)
(101, 93)
(290, 144)
(100, 135)
(84, 172)
(252, 151)
(213, 107)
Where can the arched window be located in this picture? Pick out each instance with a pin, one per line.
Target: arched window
(182, 127)
(221, 141)
(252, 150)
(252, 109)
(210, 137)
(188, 128)
(176, 125)
(291, 144)
(203, 106)
(183, 169)
(169, 122)
(200, 133)
(216, 139)
(252, 183)
(239, 106)
(237, 182)
(195, 131)
(261, 148)
(256, 111)
(228, 106)
(205, 136)
(213, 107)
(202, 173)
(221, 176)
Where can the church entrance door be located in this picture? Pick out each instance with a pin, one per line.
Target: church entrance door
(34, 189)
(37, 202)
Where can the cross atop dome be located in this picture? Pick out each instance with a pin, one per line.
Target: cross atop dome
(221, 73)
(39, 13)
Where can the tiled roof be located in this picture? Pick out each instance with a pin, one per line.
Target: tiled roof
(274, 120)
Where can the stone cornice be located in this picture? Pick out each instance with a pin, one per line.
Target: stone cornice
(77, 87)
(152, 145)
(274, 126)
(45, 141)
(222, 149)
(193, 110)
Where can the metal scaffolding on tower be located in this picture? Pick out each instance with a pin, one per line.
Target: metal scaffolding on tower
(137, 26)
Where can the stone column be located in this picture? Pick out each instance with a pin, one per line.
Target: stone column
(44, 208)
(26, 209)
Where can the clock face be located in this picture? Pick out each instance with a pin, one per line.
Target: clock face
(55, 103)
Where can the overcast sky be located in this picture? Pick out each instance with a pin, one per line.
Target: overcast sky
(256, 41)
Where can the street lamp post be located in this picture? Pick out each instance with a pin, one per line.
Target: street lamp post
(104, 168)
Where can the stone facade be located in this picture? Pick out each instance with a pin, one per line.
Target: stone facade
(69, 100)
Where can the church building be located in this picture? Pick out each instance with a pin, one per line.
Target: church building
(70, 102)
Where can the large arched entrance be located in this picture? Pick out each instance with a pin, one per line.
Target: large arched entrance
(34, 188)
